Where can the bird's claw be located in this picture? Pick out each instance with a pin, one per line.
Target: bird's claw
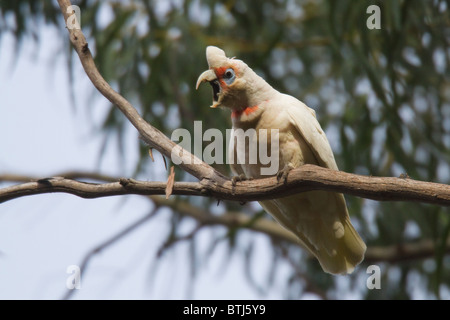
(241, 177)
(283, 173)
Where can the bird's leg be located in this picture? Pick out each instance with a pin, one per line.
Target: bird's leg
(283, 173)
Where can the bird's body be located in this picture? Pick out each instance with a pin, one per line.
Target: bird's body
(318, 218)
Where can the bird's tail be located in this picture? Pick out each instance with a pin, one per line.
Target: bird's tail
(348, 251)
(321, 222)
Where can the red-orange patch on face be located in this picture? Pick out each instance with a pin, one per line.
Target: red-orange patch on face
(246, 111)
(220, 72)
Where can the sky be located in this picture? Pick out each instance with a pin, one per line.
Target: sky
(42, 134)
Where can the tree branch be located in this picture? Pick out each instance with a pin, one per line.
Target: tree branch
(392, 253)
(403, 252)
(305, 178)
(149, 134)
(110, 241)
(230, 219)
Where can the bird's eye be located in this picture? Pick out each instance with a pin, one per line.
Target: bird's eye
(229, 73)
(229, 76)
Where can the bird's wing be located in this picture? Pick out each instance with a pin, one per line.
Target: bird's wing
(319, 218)
(304, 120)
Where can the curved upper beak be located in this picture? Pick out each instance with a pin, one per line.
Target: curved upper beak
(208, 75)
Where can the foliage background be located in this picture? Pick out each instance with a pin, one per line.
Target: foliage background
(382, 96)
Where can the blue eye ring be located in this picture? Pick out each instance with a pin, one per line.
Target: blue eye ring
(229, 76)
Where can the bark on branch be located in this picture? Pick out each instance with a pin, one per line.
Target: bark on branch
(305, 178)
(66, 182)
(149, 134)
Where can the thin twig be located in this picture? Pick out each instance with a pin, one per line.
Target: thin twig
(390, 253)
(177, 239)
(87, 259)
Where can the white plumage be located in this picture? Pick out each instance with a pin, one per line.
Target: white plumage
(318, 218)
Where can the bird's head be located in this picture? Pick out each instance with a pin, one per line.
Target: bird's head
(232, 81)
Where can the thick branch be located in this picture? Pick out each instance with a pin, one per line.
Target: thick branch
(305, 178)
(393, 253)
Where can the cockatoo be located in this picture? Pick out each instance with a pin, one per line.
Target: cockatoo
(319, 219)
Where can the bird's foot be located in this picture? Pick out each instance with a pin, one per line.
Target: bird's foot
(239, 178)
(234, 181)
(283, 173)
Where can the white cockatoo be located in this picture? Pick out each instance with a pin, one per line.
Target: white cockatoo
(319, 219)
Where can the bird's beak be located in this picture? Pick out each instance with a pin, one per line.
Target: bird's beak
(210, 76)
